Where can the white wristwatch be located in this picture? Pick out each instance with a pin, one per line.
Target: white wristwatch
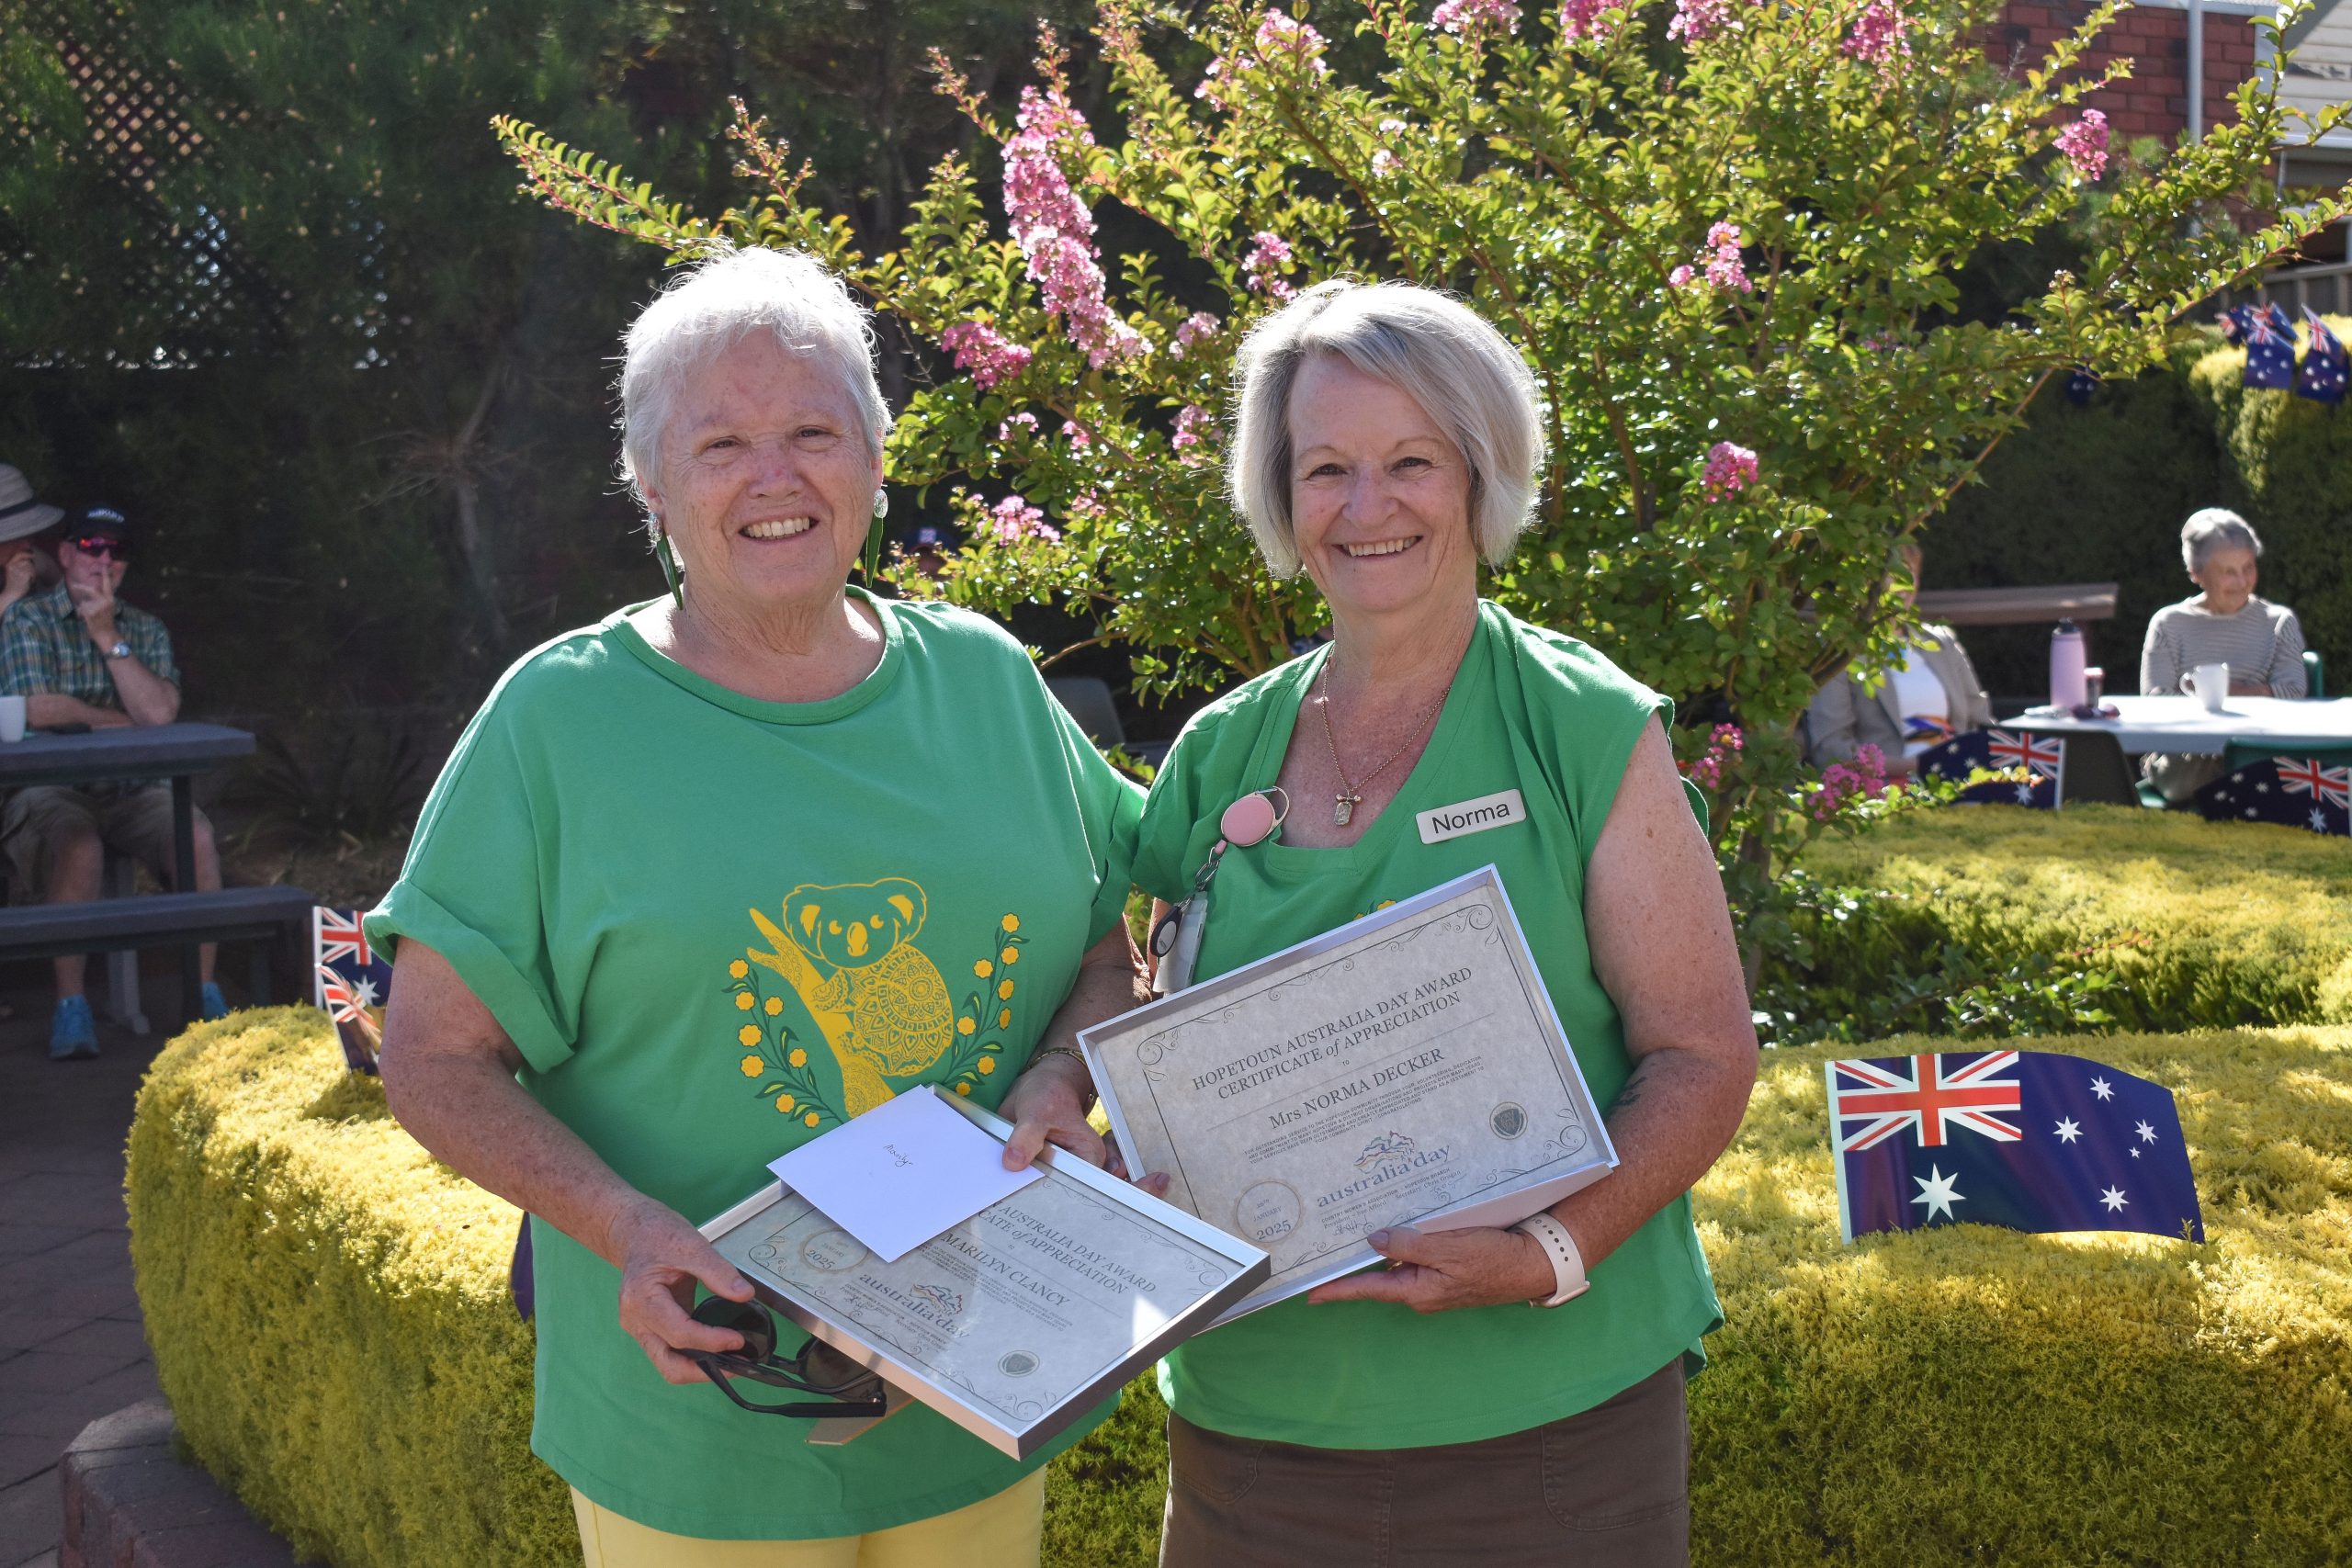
(1567, 1264)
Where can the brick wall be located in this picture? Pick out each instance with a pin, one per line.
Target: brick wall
(2155, 102)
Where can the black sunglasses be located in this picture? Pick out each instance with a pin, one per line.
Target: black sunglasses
(100, 545)
(842, 1387)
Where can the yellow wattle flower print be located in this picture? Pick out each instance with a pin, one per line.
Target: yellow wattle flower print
(1004, 990)
(987, 1065)
(749, 1034)
(810, 1120)
(744, 1001)
(775, 1006)
(799, 1058)
(1011, 922)
(784, 1104)
(962, 1088)
(1004, 1019)
(965, 1026)
(752, 1066)
(984, 968)
(1011, 955)
(738, 969)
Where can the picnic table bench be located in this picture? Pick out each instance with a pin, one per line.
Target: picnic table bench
(2018, 606)
(183, 917)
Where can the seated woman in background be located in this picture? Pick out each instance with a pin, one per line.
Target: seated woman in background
(1928, 696)
(2226, 624)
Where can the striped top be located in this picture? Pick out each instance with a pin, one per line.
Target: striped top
(2261, 641)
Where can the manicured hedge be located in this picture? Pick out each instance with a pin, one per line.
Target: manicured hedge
(2205, 924)
(2099, 493)
(326, 1309)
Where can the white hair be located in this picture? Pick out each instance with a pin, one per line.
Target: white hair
(2215, 529)
(1435, 350)
(712, 304)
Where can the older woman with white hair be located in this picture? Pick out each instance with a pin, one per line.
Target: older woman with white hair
(2226, 622)
(1498, 1396)
(716, 874)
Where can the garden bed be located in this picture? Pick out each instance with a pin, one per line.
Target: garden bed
(328, 1312)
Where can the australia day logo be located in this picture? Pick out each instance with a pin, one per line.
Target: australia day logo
(948, 1301)
(1388, 1152)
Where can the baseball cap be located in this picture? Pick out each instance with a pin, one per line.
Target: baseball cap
(99, 519)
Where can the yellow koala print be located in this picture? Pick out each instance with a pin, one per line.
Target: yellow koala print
(848, 953)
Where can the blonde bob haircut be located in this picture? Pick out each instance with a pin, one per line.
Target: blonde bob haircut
(708, 307)
(1430, 346)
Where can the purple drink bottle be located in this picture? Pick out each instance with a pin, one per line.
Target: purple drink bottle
(2068, 689)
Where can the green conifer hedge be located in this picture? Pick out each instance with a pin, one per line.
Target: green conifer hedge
(327, 1307)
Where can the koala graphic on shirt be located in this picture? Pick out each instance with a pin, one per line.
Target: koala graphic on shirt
(848, 950)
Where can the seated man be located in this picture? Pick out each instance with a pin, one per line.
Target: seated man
(78, 654)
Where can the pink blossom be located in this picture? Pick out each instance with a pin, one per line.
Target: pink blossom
(1878, 35)
(1012, 520)
(1212, 89)
(1393, 128)
(1730, 469)
(1695, 21)
(1841, 786)
(1385, 165)
(1190, 420)
(1086, 507)
(989, 357)
(1281, 34)
(1195, 327)
(1080, 438)
(1726, 743)
(1474, 20)
(1585, 18)
(1023, 422)
(1679, 276)
(2084, 144)
(1267, 252)
(1720, 256)
(1053, 230)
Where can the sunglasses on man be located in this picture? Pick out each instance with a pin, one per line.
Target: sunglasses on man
(100, 545)
(845, 1387)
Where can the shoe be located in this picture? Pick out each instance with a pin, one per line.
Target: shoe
(73, 1034)
(211, 1004)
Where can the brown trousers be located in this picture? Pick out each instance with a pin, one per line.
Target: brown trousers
(1607, 1488)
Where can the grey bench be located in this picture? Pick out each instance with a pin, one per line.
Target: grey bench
(259, 915)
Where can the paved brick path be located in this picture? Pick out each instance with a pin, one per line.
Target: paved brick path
(71, 1349)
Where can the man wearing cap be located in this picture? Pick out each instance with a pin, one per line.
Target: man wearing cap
(78, 654)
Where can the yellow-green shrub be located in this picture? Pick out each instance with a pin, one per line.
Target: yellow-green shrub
(327, 1310)
(2203, 923)
(1973, 1395)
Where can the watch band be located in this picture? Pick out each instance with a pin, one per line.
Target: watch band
(120, 649)
(1567, 1264)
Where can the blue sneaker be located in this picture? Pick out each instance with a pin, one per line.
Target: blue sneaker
(211, 1004)
(71, 1031)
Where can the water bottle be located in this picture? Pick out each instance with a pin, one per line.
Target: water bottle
(2068, 689)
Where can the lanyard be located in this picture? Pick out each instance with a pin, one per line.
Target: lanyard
(1176, 940)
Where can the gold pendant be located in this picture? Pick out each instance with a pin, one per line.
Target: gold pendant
(1342, 808)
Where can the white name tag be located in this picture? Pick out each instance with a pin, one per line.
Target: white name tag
(1472, 817)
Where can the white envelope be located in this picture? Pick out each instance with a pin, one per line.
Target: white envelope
(902, 1173)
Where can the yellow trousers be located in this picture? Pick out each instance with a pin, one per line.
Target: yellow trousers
(1002, 1531)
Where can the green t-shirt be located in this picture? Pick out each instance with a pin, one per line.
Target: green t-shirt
(1532, 711)
(716, 927)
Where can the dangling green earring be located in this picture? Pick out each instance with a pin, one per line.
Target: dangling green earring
(666, 553)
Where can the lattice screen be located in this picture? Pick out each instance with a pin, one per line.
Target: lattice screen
(187, 293)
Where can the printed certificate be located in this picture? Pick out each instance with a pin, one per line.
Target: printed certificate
(1406, 1067)
(1014, 1323)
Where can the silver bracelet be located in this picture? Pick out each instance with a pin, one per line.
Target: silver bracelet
(1045, 1051)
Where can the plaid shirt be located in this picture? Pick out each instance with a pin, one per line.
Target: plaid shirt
(45, 649)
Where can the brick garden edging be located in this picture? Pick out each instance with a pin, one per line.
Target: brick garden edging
(130, 1502)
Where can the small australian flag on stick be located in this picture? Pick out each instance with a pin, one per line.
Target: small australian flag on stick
(2031, 1140)
(353, 981)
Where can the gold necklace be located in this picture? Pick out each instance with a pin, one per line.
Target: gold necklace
(1351, 795)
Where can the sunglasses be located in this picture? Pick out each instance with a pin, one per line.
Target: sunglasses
(100, 545)
(845, 1387)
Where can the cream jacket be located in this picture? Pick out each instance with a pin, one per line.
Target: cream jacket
(1844, 717)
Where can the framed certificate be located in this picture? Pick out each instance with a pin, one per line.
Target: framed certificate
(1407, 1068)
(1016, 1322)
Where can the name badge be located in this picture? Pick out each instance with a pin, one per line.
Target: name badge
(1472, 817)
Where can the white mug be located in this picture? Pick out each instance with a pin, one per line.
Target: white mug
(12, 718)
(2209, 684)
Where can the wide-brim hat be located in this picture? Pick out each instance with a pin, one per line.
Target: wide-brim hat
(20, 515)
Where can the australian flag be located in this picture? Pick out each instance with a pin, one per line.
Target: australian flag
(353, 983)
(2327, 368)
(2270, 339)
(2027, 1139)
(2043, 757)
(2306, 793)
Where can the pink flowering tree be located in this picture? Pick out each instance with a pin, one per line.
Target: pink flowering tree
(1725, 234)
